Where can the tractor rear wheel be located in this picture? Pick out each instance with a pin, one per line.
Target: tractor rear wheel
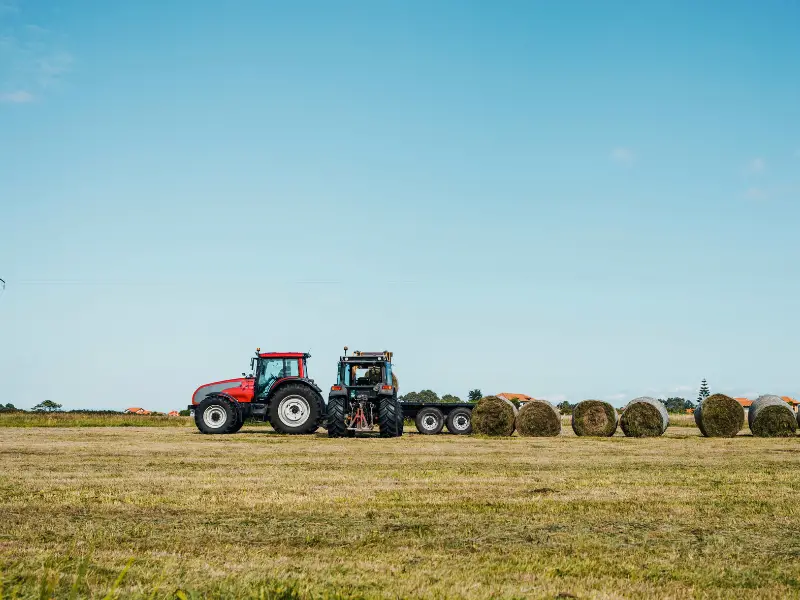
(336, 425)
(216, 414)
(295, 408)
(429, 421)
(459, 421)
(390, 417)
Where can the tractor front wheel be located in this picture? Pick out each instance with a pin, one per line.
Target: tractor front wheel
(295, 408)
(216, 415)
(239, 422)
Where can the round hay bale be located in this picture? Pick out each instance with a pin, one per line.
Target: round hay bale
(719, 416)
(539, 418)
(594, 418)
(493, 416)
(771, 416)
(644, 417)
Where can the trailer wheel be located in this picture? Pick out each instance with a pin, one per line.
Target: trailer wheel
(294, 409)
(390, 417)
(429, 421)
(216, 414)
(459, 421)
(336, 425)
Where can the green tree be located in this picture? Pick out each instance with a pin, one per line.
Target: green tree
(475, 395)
(8, 408)
(565, 408)
(184, 413)
(47, 406)
(429, 396)
(704, 392)
(449, 398)
(423, 396)
(676, 405)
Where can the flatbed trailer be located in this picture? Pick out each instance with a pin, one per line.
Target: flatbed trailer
(431, 417)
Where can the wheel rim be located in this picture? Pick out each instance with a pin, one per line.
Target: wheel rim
(461, 422)
(214, 417)
(294, 410)
(429, 422)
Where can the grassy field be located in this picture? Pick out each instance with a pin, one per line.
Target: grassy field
(29, 419)
(262, 515)
(59, 419)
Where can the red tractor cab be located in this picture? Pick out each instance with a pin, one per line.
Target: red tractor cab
(278, 389)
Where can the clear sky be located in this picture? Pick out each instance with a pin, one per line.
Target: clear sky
(565, 199)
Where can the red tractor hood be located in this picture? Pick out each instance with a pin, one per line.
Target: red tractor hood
(240, 388)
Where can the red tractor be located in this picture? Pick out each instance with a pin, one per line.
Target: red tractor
(278, 389)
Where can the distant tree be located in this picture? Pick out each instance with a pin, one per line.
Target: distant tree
(565, 408)
(515, 401)
(184, 413)
(429, 396)
(423, 396)
(449, 398)
(8, 408)
(475, 395)
(704, 392)
(677, 405)
(47, 406)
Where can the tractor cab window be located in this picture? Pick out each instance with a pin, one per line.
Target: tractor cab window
(271, 370)
(366, 374)
(291, 367)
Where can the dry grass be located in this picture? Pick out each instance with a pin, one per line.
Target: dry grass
(56, 419)
(678, 516)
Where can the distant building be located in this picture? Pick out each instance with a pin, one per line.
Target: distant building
(522, 398)
(795, 404)
(135, 410)
(746, 403)
(173, 413)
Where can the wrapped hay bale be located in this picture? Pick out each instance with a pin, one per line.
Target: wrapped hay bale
(719, 416)
(644, 417)
(594, 418)
(493, 416)
(538, 418)
(771, 416)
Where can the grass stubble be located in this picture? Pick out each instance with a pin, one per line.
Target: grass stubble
(168, 512)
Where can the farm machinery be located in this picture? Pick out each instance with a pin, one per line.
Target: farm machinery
(280, 391)
(364, 395)
(277, 390)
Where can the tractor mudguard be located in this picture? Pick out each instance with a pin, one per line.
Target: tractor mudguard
(240, 389)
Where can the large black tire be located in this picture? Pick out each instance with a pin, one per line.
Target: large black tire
(295, 409)
(390, 417)
(336, 413)
(216, 414)
(459, 421)
(239, 422)
(429, 421)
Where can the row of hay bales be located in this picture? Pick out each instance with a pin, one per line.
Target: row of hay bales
(718, 416)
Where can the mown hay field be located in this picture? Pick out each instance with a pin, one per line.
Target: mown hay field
(258, 514)
(88, 419)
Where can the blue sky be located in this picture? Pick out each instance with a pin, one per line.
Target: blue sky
(564, 199)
